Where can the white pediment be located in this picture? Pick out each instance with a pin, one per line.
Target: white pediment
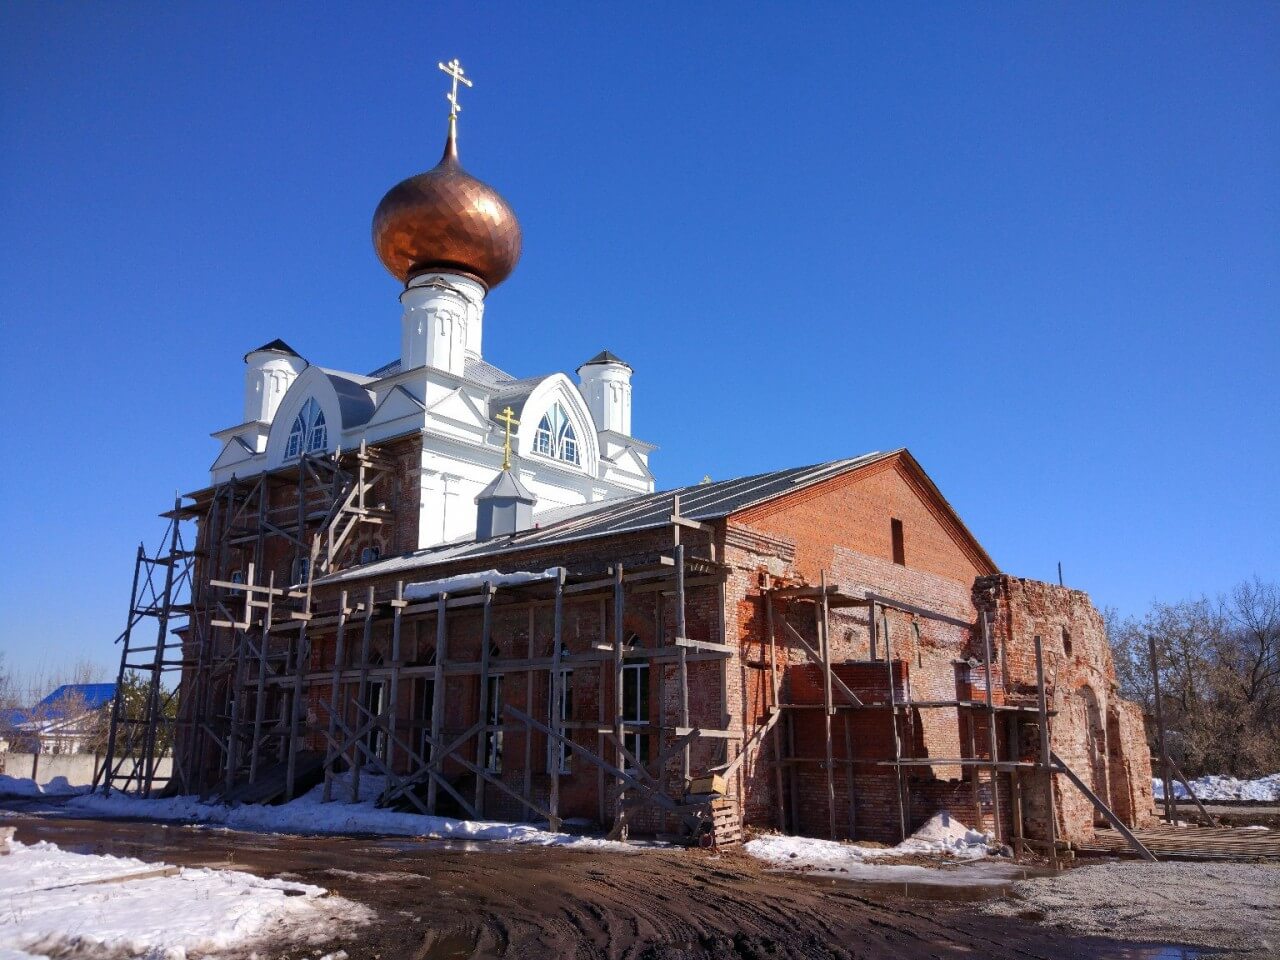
(459, 409)
(628, 460)
(234, 451)
(398, 403)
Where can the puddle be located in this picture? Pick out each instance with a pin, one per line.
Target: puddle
(1151, 951)
(965, 884)
(449, 945)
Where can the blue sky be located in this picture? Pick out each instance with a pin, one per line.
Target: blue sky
(1037, 244)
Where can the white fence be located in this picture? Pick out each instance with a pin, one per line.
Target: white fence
(77, 768)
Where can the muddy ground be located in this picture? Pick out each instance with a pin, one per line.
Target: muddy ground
(437, 900)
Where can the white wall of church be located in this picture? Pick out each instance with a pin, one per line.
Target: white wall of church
(442, 320)
(607, 390)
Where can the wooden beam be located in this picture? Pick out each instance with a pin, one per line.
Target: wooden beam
(816, 657)
(1046, 761)
(918, 611)
(438, 690)
(1101, 808)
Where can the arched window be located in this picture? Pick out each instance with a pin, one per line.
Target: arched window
(555, 437)
(371, 554)
(309, 432)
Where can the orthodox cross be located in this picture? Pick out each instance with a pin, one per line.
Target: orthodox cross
(454, 69)
(508, 419)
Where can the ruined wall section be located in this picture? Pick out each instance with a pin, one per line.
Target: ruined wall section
(1095, 732)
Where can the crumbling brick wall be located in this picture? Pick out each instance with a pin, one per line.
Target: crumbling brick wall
(1093, 730)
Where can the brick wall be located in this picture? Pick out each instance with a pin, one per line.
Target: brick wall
(1095, 732)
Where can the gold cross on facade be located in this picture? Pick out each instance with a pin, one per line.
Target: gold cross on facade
(454, 69)
(508, 419)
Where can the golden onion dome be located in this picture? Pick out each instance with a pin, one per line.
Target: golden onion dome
(446, 219)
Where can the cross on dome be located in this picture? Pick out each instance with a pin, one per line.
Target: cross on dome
(454, 69)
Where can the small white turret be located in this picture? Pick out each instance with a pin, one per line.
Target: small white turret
(442, 322)
(605, 382)
(269, 371)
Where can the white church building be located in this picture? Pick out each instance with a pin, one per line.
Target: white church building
(449, 239)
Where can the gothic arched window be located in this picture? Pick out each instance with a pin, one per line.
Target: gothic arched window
(555, 437)
(309, 432)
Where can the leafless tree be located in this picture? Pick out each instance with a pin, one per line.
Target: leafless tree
(1219, 669)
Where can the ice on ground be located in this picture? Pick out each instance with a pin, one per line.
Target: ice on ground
(56, 902)
(26, 787)
(308, 814)
(943, 835)
(1214, 787)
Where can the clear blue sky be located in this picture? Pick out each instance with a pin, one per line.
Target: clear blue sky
(1037, 244)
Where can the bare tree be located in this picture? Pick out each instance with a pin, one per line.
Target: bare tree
(1219, 663)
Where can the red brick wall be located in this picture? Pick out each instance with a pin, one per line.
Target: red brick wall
(853, 512)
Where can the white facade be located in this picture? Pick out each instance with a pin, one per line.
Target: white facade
(569, 449)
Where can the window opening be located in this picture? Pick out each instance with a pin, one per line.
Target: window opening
(899, 545)
(309, 432)
(635, 710)
(375, 740)
(493, 736)
(559, 753)
(555, 437)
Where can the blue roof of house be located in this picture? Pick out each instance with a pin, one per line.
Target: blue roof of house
(94, 696)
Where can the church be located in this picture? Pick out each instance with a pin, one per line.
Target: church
(448, 239)
(460, 591)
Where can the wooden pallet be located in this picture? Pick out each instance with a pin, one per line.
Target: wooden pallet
(1191, 843)
(726, 822)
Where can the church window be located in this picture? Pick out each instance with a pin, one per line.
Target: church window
(559, 753)
(301, 570)
(899, 543)
(635, 709)
(309, 432)
(370, 555)
(556, 437)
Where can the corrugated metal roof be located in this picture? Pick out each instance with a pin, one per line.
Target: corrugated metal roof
(703, 501)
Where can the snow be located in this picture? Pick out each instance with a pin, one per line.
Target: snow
(56, 902)
(26, 787)
(474, 581)
(943, 835)
(1213, 787)
(308, 814)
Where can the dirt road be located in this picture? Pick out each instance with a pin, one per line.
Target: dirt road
(438, 901)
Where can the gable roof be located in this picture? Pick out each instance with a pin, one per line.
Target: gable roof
(703, 501)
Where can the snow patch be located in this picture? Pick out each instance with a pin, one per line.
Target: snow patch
(308, 814)
(26, 787)
(1214, 787)
(57, 902)
(943, 835)
(474, 581)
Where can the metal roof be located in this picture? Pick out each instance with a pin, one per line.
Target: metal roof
(703, 501)
(275, 346)
(90, 696)
(605, 356)
(480, 372)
